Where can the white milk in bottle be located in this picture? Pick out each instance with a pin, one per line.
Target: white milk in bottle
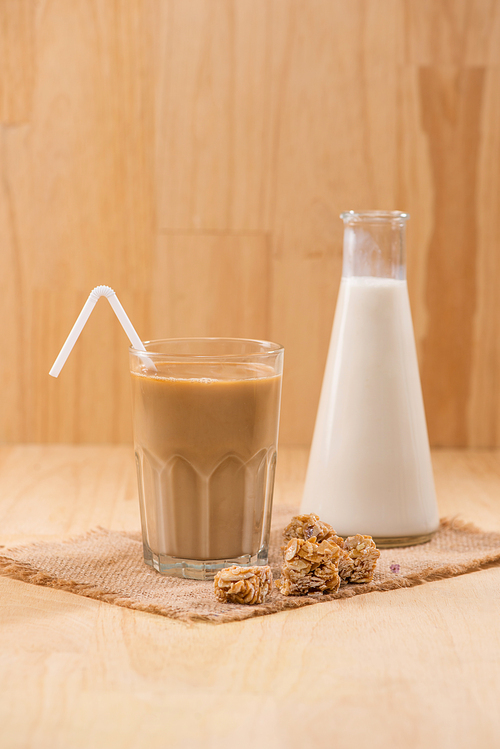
(370, 468)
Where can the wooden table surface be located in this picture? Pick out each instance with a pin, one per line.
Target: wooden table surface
(411, 668)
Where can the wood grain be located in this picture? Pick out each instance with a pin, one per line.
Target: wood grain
(483, 409)
(210, 285)
(18, 60)
(214, 135)
(139, 138)
(418, 666)
(451, 104)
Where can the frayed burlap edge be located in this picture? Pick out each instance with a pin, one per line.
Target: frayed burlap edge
(24, 572)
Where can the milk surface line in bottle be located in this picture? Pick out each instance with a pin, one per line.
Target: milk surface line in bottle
(370, 467)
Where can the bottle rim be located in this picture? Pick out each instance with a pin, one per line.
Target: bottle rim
(351, 217)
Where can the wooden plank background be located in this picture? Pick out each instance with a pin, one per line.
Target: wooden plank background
(195, 155)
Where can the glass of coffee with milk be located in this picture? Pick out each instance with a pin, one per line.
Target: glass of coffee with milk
(205, 414)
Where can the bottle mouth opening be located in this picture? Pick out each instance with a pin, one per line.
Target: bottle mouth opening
(375, 217)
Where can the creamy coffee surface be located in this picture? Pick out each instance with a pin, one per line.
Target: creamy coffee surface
(205, 442)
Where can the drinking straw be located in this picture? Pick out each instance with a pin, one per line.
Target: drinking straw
(84, 315)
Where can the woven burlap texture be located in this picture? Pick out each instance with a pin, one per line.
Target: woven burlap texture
(108, 566)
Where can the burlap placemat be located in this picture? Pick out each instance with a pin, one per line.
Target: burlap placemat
(108, 566)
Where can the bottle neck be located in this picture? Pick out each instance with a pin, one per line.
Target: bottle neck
(375, 244)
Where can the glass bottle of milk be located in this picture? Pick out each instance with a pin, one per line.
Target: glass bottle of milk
(370, 468)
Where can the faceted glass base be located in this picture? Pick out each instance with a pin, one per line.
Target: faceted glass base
(194, 569)
(390, 543)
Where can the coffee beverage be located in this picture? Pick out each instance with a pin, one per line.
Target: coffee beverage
(205, 443)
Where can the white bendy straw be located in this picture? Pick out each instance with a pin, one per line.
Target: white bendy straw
(84, 315)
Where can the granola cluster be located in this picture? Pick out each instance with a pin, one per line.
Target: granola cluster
(358, 560)
(316, 559)
(248, 585)
(307, 526)
(309, 567)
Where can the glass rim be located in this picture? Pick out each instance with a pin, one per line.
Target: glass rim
(272, 348)
(375, 216)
